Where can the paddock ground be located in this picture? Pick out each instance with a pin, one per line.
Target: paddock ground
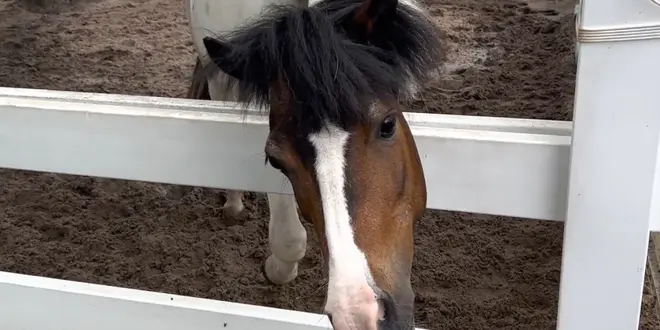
(507, 58)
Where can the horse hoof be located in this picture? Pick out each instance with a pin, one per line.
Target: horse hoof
(233, 211)
(274, 272)
(263, 271)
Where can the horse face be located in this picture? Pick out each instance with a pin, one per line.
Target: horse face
(331, 75)
(362, 186)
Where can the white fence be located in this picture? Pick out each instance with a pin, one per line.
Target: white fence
(517, 167)
(599, 174)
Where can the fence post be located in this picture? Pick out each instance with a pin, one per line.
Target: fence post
(614, 164)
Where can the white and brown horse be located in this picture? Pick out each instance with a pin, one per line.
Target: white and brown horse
(331, 76)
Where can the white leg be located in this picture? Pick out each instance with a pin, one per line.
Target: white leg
(217, 90)
(287, 238)
(234, 204)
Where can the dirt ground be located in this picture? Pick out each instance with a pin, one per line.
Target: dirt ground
(471, 271)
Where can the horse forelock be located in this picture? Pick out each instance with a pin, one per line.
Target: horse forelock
(332, 78)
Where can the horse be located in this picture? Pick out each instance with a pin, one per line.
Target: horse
(330, 75)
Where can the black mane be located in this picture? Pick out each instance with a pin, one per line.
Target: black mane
(332, 73)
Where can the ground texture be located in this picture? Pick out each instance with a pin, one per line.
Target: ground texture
(507, 58)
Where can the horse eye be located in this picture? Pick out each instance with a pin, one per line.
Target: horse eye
(387, 127)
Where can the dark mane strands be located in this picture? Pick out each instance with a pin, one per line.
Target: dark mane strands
(412, 35)
(332, 75)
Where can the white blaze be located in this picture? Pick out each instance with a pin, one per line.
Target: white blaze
(348, 269)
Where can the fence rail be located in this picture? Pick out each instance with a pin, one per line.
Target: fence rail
(31, 302)
(514, 167)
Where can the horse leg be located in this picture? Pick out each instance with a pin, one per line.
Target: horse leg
(201, 89)
(286, 235)
(234, 203)
(287, 238)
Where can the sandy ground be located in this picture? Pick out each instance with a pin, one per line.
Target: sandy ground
(471, 271)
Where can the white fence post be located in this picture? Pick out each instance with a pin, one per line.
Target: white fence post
(614, 163)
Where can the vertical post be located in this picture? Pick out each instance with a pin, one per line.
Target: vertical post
(614, 162)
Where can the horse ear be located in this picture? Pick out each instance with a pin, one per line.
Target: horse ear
(222, 54)
(369, 13)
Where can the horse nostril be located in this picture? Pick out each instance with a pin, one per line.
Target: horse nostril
(382, 314)
(386, 308)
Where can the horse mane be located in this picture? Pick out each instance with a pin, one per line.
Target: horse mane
(332, 74)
